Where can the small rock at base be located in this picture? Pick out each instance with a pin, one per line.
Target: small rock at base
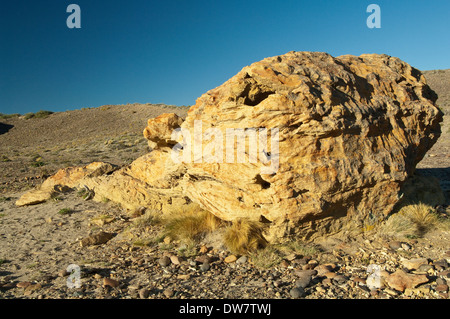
(303, 281)
(297, 293)
(205, 266)
(110, 282)
(168, 292)
(144, 293)
(164, 261)
(242, 260)
(230, 259)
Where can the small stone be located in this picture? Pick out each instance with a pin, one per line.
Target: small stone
(323, 269)
(441, 288)
(63, 273)
(291, 257)
(320, 289)
(440, 281)
(284, 264)
(359, 280)
(97, 239)
(144, 293)
(23, 284)
(175, 260)
(391, 292)
(425, 268)
(302, 261)
(330, 275)
(168, 292)
(308, 272)
(241, 260)
(297, 292)
(98, 276)
(303, 281)
(374, 282)
(313, 262)
(184, 277)
(326, 282)
(394, 245)
(230, 259)
(441, 264)
(401, 280)
(31, 288)
(110, 282)
(203, 249)
(203, 259)
(205, 266)
(414, 263)
(164, 261)
(340, 279)
(406, 246)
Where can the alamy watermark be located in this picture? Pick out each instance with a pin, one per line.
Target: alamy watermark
(232, 145)
(74, 19)
(74, 279)
(374, 19)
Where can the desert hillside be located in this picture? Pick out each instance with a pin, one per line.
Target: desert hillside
(32, 148)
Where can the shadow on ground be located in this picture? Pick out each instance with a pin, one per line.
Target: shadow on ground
(442, 175)
(4, 128)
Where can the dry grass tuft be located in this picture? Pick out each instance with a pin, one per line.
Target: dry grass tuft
(191, 224)
(244, 236)
(411, 221)
(267, 257)
(149, 218)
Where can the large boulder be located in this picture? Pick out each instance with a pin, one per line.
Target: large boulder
(303, 141)
(350, 132)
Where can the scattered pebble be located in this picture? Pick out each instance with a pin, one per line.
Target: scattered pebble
(230, 259)
(110, 282)
(168, 292)
(205, 266)
(297, 292)
(164, 261)
(144, 293)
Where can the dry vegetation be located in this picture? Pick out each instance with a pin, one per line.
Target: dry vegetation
(413, 221)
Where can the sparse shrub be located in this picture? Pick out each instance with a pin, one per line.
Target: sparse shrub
(37, 164)
(40, 114)
(65, 211)
(244, 236)
(4, 158)
(411, 221)
(422, 215)
(266, 258)
(150, 218)
(298, 247)
(8, 116)
(28, 116)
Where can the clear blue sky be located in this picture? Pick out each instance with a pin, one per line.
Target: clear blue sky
(171, 52)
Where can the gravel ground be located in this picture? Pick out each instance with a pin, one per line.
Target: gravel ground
(39, 244)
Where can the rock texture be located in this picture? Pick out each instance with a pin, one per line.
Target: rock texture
(342, 136)
(351, 130)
